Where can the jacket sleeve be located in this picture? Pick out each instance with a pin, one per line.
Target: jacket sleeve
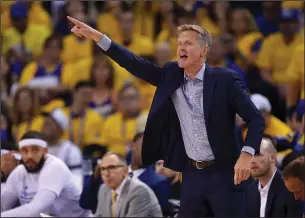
(134, 64)
(245, 108)
(89, 196)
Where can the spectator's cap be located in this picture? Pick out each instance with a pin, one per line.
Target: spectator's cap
(261, 102)
(19, 10)
(289, 14)
(141, 123)
(300, 109)
(60, 118)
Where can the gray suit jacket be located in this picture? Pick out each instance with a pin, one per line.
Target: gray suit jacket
(136, 200)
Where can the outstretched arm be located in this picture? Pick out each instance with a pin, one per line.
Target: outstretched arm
(137, 66)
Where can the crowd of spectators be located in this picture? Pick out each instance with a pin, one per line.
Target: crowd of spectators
(86, 105)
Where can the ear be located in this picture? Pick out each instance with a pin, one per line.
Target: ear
(204, 51)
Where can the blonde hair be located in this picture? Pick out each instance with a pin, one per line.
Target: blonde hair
(203, 35)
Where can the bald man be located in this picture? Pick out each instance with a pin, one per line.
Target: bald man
(268, 196)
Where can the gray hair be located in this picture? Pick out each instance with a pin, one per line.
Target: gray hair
(203, 35)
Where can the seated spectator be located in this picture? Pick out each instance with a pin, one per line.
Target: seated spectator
(23, 40)
(217, 58)
(273, 126)
(36, 15)
(244, 28)
(268, 21)
(133, 41)
(295, 73)
(85, 125)
(269, 185)
(127, 197)
(56, 123)
(294, 140)
(49, 75)
(26, 112)
(102, 77)
(157, 183)
(294, 177)
(76, 48)
(277, 49)
(120, 128)
(46, 184)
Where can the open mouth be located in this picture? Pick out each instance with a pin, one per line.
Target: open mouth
(183, 56)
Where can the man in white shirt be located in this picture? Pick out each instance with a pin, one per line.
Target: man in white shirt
(54, 127)
(126, 197)
(268, 196)
(42, 184)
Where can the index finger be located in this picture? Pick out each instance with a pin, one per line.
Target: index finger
(76, 22)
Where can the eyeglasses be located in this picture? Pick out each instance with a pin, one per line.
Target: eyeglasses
(110, 168)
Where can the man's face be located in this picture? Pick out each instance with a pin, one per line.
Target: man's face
(189, 50)
(33, 157)
(53, 50)
(261, 163)
(163, 53)
(289, 27)
(113, 171)
(130, 101)
(24, 102)
(51, 130)
(217, 52)
(296, 186)
(127, 22)
(137, 150)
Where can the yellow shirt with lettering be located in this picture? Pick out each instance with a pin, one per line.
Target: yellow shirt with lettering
(37, 16)
(85, 131)
(66, 78)
(275, 56)
(34, 38)
(75, 49)
(295, 70)
(36, 124)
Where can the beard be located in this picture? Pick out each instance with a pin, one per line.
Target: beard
(37, 168)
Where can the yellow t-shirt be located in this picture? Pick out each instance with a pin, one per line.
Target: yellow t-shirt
(147, 93)
(295, 70)
(117, 135)
(85, 129)
(36, 125)
(34, 38)
(293, 4)
(66, 77)
(37, 16)
(52, 105)
(245, 44)
(275, 56)
(75, 50)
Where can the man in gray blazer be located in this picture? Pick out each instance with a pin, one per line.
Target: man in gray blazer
(122, 196)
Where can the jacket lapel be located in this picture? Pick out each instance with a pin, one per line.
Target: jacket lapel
(107, 206)
(208, 91)
(271, 193)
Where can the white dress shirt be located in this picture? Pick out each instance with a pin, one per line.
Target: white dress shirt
(264, 195)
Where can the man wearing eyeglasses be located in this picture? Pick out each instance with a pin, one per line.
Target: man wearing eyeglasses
(127, 197)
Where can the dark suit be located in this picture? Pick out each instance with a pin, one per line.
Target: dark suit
(224, 96)
(157, 183)
(280, 202)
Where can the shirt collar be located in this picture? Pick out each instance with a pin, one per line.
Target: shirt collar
(267, 186)
(120, 188)
(200, 74)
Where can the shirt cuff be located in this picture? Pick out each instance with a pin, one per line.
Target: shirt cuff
(104, 43)
(249, 150)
